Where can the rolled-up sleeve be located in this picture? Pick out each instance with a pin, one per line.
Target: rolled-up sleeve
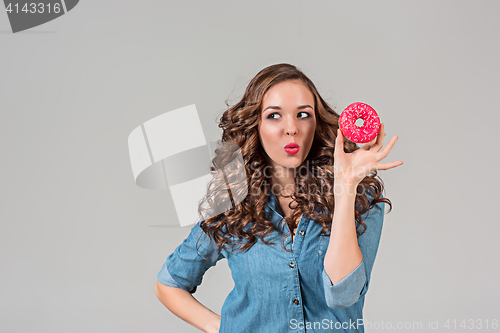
(355, 285)
(185, 267)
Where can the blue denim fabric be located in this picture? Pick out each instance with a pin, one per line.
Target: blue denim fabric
(279, 291)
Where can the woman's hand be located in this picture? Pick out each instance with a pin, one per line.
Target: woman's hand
(352, 168)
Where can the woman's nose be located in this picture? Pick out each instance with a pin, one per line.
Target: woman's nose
(291, 128)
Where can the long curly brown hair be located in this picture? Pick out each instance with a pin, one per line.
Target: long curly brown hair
(241, 225)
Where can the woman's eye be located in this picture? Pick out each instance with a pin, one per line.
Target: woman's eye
(303, 115)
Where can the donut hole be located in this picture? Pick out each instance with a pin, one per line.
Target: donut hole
(359, 122)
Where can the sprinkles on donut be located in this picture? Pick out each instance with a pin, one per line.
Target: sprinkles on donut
(354, 133)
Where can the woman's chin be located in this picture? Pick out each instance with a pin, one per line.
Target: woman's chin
(292, 164)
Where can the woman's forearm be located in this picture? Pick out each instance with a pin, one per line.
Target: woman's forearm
(182, 304)
(343, 254)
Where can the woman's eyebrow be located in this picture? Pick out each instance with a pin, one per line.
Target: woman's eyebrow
(279, 108)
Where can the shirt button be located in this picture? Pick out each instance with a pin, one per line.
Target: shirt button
(296, 301)
(291, 265)
(302, 232)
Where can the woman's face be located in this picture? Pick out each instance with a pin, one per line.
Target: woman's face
(287, 117)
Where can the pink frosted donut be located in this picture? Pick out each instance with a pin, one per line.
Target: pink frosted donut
(365, 133)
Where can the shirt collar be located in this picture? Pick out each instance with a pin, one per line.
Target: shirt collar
(272, 203)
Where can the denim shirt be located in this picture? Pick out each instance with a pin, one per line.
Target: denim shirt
(279, 291)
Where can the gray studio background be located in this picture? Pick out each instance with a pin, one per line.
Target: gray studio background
(81, 244)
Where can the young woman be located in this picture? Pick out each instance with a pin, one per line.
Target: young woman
(302, 243)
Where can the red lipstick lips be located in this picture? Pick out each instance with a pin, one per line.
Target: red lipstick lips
(292, 148)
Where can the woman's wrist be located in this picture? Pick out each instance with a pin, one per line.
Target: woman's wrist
(344, 187)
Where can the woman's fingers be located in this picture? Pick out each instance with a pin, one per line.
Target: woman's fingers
(384, 152)
(376, 143)
(386, 166)
(339, 144)
(379, 142)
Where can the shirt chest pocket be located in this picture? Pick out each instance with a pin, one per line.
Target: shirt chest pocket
(323, 245)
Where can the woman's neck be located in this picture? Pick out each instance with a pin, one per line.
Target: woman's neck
(283, 181)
